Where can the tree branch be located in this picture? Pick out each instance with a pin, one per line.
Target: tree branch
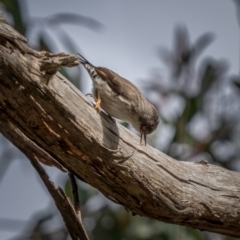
(44, 114)
(71, 217)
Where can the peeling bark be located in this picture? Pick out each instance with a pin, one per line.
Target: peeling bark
(42, 113)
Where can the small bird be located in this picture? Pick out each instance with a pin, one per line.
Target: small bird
(121, 99)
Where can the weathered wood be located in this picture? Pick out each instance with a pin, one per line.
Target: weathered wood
(46, 115)
(71, 215)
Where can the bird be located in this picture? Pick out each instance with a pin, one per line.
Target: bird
(121, 99)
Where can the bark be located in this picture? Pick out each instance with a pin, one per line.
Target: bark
(43, 114)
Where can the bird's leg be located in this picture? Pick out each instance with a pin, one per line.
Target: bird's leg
(98, 101)
(98, 105)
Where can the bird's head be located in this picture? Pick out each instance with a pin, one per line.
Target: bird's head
(148, 126)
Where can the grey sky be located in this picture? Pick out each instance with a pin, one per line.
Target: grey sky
(133, 31)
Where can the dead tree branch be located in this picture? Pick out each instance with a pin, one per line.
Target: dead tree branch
(42, 113)
(71, 217)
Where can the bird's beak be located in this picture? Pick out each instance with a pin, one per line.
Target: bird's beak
(143, 136)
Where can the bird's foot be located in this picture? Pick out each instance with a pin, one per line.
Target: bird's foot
(98, 102)
(98, 106)
(91, 95)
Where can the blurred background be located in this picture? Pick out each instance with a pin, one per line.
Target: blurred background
(184, 56)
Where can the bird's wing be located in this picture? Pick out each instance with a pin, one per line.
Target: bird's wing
(120, 85)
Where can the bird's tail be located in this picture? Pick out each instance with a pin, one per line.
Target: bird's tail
(83, 60)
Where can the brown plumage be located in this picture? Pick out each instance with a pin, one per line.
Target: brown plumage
(121, 99)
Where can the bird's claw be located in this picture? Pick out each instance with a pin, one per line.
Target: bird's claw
(98, 106)
(92, 96)
(97, 100)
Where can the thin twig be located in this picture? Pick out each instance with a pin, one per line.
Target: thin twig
(76, 201)
(69, 215)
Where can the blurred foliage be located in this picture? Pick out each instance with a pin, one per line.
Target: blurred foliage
(204, 119)
(199, 107)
